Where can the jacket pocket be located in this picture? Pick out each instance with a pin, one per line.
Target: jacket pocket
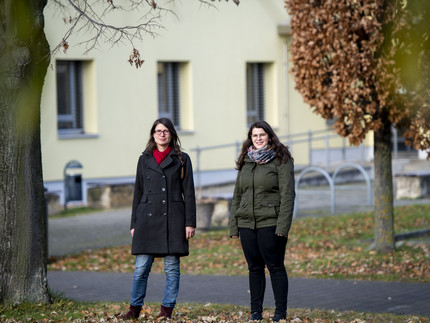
(144, 198)
(177, 198)
(142, 209)
(243, 204)
(270, 203)
(178, 205)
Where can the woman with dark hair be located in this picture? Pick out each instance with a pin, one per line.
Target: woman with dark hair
(262, 212)
(163, 215)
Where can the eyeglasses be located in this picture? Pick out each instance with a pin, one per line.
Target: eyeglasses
(260, 135)
(160, 132)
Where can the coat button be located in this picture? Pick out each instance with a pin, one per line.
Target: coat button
(150, 214)
(164, 213)
(150, 202)
(163, 177)
(164, 201)
(148, 177)
(163, 189)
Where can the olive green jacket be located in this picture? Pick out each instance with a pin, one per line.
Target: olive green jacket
(263, 197)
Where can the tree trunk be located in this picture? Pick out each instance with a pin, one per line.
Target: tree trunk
(384, 211)
(24, 59)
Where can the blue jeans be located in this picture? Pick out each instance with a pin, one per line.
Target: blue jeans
(140, 279)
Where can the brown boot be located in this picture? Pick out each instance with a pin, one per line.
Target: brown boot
(133, 313)
(165, 313)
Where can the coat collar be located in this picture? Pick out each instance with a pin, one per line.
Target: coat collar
(247, 159)
(152, 163)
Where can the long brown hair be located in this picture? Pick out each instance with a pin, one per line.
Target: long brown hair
(175, 143)
(282, 152)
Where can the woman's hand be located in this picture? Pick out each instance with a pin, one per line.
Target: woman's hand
(189, 232)
(132, 232)
(234, 237)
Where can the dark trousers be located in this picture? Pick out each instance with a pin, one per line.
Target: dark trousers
(262, 247)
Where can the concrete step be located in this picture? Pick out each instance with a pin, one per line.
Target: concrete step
(417, 164)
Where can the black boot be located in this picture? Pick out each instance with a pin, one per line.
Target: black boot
(133, 313)
(256, 316)
(278, 317)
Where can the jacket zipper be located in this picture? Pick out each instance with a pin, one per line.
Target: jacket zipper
(253, 195)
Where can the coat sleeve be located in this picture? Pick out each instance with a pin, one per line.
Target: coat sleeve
(138, 191)
(287, 193)
(237, 196)
(189, 193)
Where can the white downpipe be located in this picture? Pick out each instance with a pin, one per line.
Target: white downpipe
(286, 89)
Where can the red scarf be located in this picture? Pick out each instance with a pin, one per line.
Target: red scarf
(161, 155)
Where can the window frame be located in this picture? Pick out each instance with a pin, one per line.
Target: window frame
(70, 96)
(168, 92)
(255, 92)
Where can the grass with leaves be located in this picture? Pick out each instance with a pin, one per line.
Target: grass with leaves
(75, 211)
(62, 310)
(325, 247)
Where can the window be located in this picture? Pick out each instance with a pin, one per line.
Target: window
(254, 92)
(69, 97)
(168, 92)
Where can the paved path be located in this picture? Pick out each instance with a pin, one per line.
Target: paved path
(74, 234)
(340, 295)
(71, 235)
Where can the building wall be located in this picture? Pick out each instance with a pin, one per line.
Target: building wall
(214, 46)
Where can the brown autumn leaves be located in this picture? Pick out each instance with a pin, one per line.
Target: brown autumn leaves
(361, 62)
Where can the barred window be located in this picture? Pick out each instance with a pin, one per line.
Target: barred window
(168, 92)
(69, 96)
(254, 92)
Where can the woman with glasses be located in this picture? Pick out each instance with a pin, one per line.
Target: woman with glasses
(262, 212)
(163, 216)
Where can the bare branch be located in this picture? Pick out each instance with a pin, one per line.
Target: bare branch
(92, 18)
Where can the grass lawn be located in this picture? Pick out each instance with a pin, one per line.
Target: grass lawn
(75, 211)
(68, 311)
(325, 247)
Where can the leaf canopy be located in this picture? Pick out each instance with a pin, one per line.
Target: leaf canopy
(363, 62)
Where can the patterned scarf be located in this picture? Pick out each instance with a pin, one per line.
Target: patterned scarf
(262, 155)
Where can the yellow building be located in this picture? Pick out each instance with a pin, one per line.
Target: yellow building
(212, 71)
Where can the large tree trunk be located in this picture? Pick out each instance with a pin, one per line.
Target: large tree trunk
(24, 59)
(384, 211)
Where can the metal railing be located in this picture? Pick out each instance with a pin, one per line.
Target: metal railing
(331, 180)
(198, 150)
(325, 135)
(310, 138)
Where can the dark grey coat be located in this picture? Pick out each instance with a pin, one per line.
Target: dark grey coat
(163, 205)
